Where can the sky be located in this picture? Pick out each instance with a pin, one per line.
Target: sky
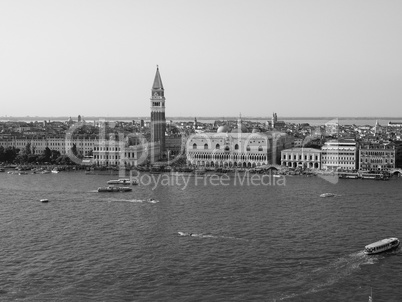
(217, 58)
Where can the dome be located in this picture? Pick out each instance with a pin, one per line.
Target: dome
(256, 130)
(243, 129)
(223, 129)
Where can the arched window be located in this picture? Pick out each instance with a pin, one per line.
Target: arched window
(248, 148)
(217, 146)
(227, 148)
(206, 146)
(236, 147)
(194, 146)
(259, 148)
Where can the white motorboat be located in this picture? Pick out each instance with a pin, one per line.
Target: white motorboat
(327, 195)
(384, 245)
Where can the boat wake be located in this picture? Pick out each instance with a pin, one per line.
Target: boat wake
(200, 235)
(323, 277)
(132, 200)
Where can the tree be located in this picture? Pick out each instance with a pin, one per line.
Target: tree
(63, 160)
(41, 158)
(10, 154)
(55, 155)
(47, 154)
(27, 150)
(32, 158)
(2, 154)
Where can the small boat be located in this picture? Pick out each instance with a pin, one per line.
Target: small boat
(44, 200)
(381, 246)
(327, 195)
(151, 200)
(114, 189)
(45, 172)
(55, 171)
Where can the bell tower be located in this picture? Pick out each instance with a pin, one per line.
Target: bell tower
(158, 121)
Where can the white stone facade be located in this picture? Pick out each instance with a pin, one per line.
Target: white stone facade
(301, 157)
(339, 155)
(234, 149)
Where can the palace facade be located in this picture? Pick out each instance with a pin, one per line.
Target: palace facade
(377, 156)
(236, 148)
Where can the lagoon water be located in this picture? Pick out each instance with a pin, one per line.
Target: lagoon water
(273, 242)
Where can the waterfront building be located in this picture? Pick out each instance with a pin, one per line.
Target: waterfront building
(158, 120)
(61, 144)
(236, 147)
(125, 152)
(375, 156)
(339, 155)
(301, 157)
(175, 144)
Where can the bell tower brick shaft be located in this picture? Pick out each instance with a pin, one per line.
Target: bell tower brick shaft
(158, 120)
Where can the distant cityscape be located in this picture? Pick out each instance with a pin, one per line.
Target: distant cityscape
(239, 143)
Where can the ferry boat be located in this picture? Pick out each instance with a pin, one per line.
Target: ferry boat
(349, 175)
(114, 189)
(381, 246)
(120, 181)
(368, 176)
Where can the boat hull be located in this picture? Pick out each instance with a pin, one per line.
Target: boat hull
(114, 189)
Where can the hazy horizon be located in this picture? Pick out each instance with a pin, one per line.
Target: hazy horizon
(208, 117)
(221, 58)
